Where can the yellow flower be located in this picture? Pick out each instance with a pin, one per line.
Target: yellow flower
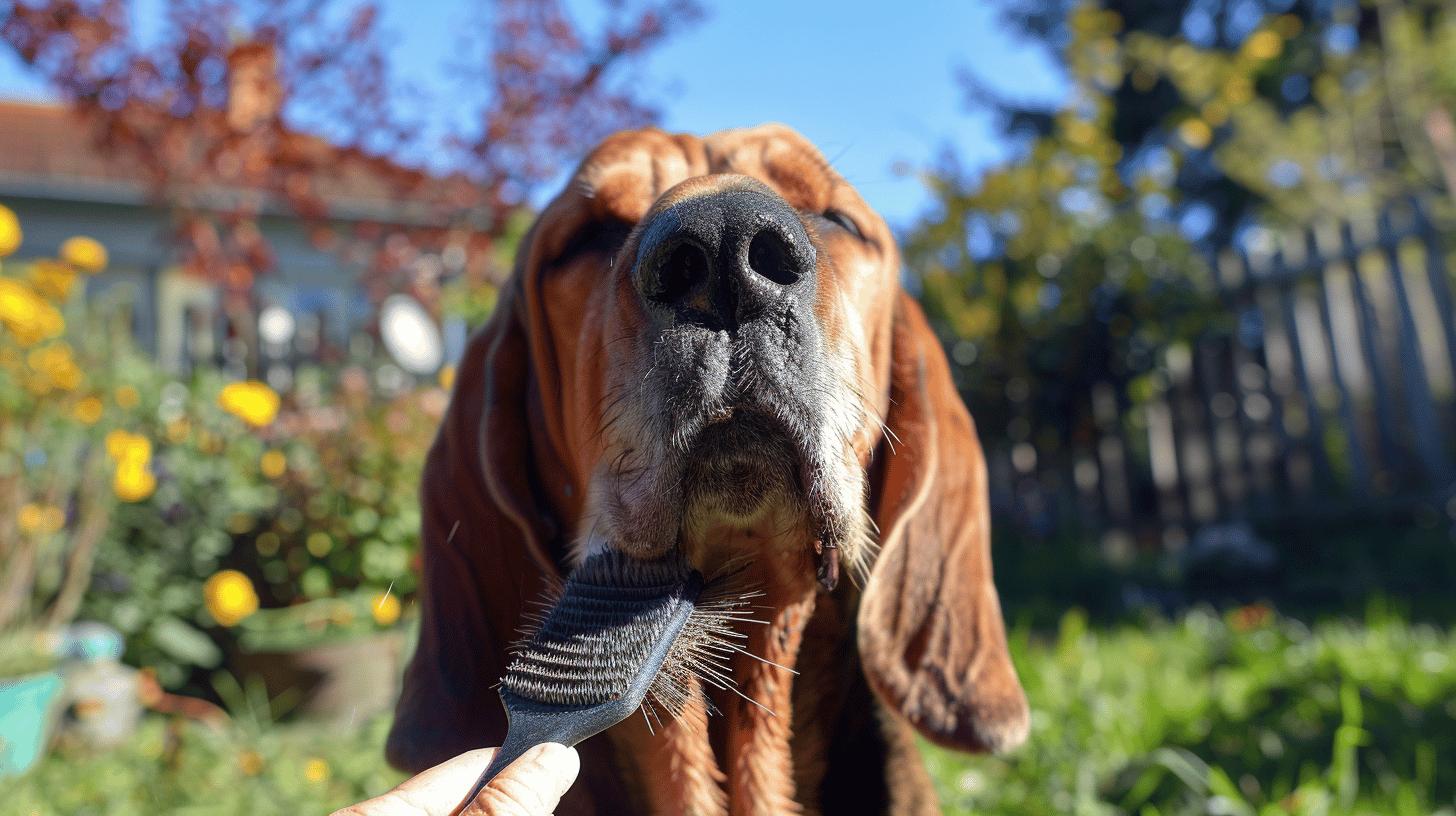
(251, 401)
(250, 763)
(127, 397)
(128, 447)
(316, 770)
(31, 518)
(273, 464)
(52, 279)
(116, 442)
(229, 597)
(385, 608)
(56, 365)
(87, 411)
(134, 481)
(447, 377)
(30, 317)
(10, 233)
(86, 254)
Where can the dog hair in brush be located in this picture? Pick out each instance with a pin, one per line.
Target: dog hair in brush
(623, 630)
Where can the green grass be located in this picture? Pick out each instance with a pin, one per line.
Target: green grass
(1236, 714)
(252, 767)
(1229, 715)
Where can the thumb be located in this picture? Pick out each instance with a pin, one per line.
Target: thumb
(530, 786)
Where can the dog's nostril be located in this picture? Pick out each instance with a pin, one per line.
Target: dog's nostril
(683, 267)
(769, 257)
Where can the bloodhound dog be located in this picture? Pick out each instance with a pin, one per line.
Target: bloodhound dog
(705, 345)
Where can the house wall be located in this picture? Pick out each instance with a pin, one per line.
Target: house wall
(173, 314)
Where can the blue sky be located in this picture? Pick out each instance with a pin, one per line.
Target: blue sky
(872, 83)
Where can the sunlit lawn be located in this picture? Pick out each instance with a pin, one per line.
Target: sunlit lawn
(1244, 714)
(1247, 713)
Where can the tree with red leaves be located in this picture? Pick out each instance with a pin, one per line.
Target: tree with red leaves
(241, 107)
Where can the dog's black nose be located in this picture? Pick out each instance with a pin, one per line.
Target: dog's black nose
(724, 258)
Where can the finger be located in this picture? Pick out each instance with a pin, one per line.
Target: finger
(434, 792)
(530, 786)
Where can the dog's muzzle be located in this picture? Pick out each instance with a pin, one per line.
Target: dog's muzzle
(739, 379)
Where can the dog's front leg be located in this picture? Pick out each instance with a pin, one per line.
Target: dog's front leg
(761, 768)
(673, 761)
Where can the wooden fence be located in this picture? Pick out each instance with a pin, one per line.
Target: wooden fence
(1332, 393)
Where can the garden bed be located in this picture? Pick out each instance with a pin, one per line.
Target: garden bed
(1241, 714)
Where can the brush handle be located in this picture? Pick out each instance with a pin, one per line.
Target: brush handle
(511, 750)
(531, 724)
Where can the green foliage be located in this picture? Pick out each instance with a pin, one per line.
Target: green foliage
(55, 477)
(472, 297)
(347, 516)
(1244, 714)
(22, 652)
(1071, 263)
(318, 621)
(1326, 570)
(250, 767)
(159, 551)
(1247, 713)
(124, 488)
(1274, 112)
(1365, 131)
(339, 517)
(1059, 270)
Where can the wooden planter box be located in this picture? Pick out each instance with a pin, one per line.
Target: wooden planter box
(344, 681)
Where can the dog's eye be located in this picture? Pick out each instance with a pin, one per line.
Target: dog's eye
(603, 237)
(844, 222)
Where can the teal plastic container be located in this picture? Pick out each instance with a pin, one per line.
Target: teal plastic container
(27, 712)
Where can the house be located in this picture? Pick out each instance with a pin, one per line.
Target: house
(311, 305)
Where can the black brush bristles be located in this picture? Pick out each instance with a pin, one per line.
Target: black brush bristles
(622, 631)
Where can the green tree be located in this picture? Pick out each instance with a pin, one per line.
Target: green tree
(1281, 110)
(1081, 262)
(1061, 270)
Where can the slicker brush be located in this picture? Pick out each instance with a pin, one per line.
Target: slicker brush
(625, 634)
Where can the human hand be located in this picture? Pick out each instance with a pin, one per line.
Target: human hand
(530, 786)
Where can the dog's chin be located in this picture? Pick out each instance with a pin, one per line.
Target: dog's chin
(744, 497)
(739, 465)
(738, 494)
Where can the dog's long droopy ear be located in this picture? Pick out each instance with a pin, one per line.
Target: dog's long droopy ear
(931, 637)
(484, 551)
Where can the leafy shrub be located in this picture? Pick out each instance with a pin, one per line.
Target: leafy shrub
(160, 550)
(173, 508)
(348, 474)
(251, 765)
(316, 503)
(56, 480)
